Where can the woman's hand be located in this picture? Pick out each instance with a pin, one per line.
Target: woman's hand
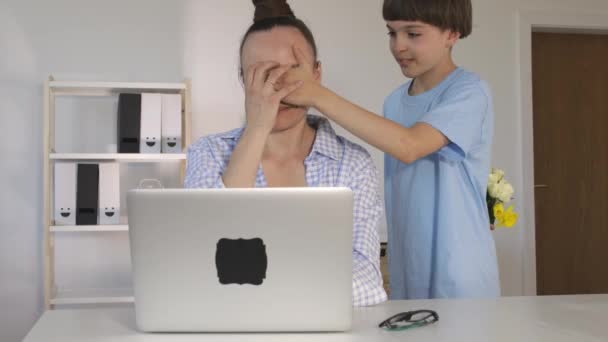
(262, 94)
(262, 99)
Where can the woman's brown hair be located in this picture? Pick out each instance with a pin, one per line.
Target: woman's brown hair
(277, 13)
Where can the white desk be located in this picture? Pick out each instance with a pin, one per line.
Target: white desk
(555, 319)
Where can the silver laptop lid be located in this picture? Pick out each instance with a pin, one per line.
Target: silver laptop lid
(226, 260)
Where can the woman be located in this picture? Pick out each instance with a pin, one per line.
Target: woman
(282, 146)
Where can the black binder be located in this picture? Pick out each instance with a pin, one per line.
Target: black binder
(87, 194)
(129, 122)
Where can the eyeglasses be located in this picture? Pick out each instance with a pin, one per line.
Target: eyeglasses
(409, 320)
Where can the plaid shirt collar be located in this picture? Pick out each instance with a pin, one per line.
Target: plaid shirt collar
(326, 141)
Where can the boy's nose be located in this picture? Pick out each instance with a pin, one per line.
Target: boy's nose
(400, 49)
(401, 44)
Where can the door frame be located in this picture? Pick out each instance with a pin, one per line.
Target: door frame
(530, 21)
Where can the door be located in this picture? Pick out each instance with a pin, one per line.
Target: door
(570, 94)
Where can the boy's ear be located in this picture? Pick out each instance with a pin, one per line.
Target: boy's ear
(453, 37)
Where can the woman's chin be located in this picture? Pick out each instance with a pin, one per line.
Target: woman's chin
(288, 118)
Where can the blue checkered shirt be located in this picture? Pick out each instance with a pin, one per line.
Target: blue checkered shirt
(333, 161)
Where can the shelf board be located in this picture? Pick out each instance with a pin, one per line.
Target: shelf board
(93, 296)
(126, 157)
(96, 228)
(114, 86)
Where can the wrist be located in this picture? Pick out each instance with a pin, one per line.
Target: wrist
(257, 132)
(321, 96)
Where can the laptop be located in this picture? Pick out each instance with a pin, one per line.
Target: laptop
(242, 260)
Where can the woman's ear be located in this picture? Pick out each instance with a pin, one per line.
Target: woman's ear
(318, 71)
(242, 76)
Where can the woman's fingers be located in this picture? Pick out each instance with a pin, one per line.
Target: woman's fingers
(261, 73)
(276, 74)
(288, 89)
(257, 73)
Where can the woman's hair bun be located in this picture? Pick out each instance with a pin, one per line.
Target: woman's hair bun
(267, 9)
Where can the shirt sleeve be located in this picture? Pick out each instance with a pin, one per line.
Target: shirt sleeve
(367, 278)
(203, 169)
(459, 116)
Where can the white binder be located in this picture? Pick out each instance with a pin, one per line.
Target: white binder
(171, 123)
(150, 123)
(65, 194)
(109, 194)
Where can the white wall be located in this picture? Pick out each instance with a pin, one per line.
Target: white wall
(154, 40)
(73, 40)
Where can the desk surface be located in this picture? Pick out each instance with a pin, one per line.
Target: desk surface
(555, 319)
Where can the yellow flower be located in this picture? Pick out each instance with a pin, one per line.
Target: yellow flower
(499, 211)
(509, 218)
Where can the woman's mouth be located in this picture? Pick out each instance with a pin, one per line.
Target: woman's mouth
(285, 106)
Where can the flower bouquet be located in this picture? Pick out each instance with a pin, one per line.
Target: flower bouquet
(499, 194)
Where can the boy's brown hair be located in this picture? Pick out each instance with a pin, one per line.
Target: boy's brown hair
(454, 15)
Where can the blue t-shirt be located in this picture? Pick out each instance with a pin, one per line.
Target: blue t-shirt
(439, 240)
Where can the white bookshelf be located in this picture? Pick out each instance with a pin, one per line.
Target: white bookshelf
(52, 90)
(93, 296)
(120, 157)
(116, 86)
(97, 228)
(66, 88)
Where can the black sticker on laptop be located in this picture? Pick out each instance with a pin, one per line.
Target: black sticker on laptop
(241, 261)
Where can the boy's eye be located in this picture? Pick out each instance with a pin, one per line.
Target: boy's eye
(413, 34)
(391, 34)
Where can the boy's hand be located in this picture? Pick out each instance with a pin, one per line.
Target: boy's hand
(304, 70)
